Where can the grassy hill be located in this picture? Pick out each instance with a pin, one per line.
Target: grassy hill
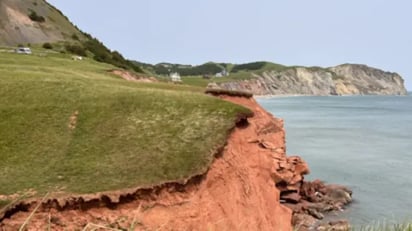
(71, 126)
(36, 23)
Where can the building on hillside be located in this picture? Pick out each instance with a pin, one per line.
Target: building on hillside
(23, 50)
(175, 77)
(223, 73)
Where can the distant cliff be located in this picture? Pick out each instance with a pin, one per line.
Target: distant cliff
(346, 79)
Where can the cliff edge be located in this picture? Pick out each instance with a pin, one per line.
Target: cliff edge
(236, 193)
(346, 79)
(251, 185)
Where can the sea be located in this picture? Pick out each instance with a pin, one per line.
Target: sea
(363, 142)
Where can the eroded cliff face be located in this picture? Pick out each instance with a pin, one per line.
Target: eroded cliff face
(363, 80)
(346, 79)
(251, 185)
(237, 192)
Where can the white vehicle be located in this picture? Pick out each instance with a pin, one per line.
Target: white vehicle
(23, 50)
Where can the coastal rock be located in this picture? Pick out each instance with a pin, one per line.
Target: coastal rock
(317, 198)
(335, 226)
(346, 79)
(303, 222)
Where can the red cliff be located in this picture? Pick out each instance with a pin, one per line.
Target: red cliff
(237, 192)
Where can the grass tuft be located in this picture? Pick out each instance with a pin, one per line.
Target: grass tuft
(385, 226)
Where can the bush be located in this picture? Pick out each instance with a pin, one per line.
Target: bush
(75, 49)
(47, 46)
(35, 17)
(103, 54)
(75, 37)
(217, 92)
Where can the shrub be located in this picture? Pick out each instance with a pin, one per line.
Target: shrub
(35, 17)
(103, 54)
(75, 49)
(75, 37)
(47, 46)
(216, 92)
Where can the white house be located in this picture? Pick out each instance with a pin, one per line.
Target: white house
(222, 73)
(175, 77)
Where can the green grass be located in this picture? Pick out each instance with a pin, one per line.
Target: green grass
(385, 226)
(126, 134)
(4, 203)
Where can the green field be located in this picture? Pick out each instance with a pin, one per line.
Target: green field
(71, 126)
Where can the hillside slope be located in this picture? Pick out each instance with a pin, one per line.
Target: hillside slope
(346, 79)
(33, 21)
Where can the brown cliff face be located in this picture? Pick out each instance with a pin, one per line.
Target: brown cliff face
(242, 190)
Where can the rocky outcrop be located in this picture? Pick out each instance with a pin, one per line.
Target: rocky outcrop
(346, 79)
(251, 185)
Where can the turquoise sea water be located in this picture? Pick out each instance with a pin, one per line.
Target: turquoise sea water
(364, 142)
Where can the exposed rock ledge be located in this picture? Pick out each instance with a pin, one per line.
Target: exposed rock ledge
(346, 79)
(251, 185)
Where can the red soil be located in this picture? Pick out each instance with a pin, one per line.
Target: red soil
(237, 193)
(127, 75)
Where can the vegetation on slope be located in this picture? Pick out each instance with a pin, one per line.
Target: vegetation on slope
(99, 52)
(71, 126)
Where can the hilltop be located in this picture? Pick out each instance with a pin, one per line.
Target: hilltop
(36, 23)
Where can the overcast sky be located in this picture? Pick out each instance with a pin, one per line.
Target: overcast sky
(293, 32)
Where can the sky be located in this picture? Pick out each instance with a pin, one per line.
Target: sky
(293, 32)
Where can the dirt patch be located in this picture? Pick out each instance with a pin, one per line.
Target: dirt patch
(18, 17)
(73, 120)
(129, 76)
